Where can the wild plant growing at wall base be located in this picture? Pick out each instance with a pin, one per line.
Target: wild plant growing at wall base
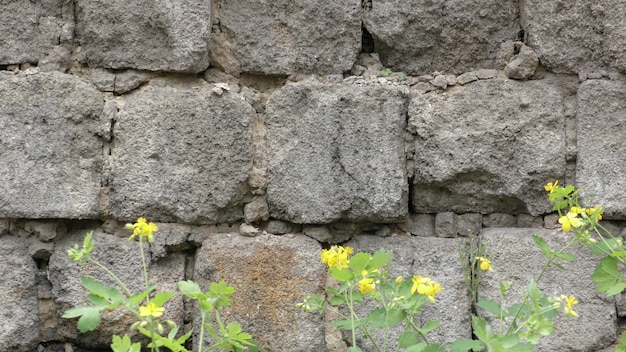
(147, 306)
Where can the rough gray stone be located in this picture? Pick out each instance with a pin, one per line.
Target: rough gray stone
(429, 257)
(256, 210)
(286, 37)
(273, 274)
(499, 220)
(19, 315)
(336, 152)
(50, 154)
(161, 36)
(601, 125)
(29, 30)
(487, 147)
(525, 220)
(121, 257)
(45, 230)
(129, 80)
(469, 224)
(248, 230)
(516, 258)
(484, 73)
(181, 154)
(446, 224)
(440, 82)
(466, 78)
(278, 227)
(423, 36)
(421, 225)
(524, 64)
(570, 37)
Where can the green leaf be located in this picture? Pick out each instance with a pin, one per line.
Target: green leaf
(191, 289)
(541, 243)
(124, 344)
(408, 339)
(381, 258)
(466, 345)
(337, 300)
(430, 326)
(560, 205)
(359, 261)
(609, 245)
(491, 307)
(89, 317)
(346, 324)
(608, 278)
(137, 298)
(341, 275)
(381, 318)
(565, 256)
(161, 298)
(420, 347)
(354, 349)
(109, 293)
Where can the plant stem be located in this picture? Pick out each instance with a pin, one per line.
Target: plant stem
(202, 319)
(119, 282)
(143, 262)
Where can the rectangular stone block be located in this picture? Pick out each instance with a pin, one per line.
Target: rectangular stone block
(181, 155)
(285, 37)
(155, 36)
(270, 274)
(420, 37)
(516, 258)
(336, 152)
(601, 142)
(50, 152)
(486, 147)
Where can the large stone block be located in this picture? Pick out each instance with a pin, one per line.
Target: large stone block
(571, 37)
(516, 258)
(487, 147)
(601, 140)
(50, 152)
(270, 274)
(420, 37)
(29, 30)
(155, 36)
(19, 312)
(336, 152)
(438, 259)
(181, 155)
(285, 37)
(122, 257)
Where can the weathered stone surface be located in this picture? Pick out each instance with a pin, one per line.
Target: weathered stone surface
(256, 210)
(19, 313)
(270, 274)
(336, 152)
(50, 154)
(601, 141)
(486, 147)
(29, 30)
(160, 36)
(122, 257)
(421, 224)
(181, 154)
(286, 37)
(435, 258)
(499, 220)
(469, 224)
(516, 258)
(524, 64)
(446, 224)
(423, 36)
(571, 37)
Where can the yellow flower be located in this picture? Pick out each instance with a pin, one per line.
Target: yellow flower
(336, 257)
(366, 285)
(569, 303)
(485, 264)
(151, 310)
(425, 286)
(590, 211)
(143, 228)
(577, 210)
(570, 220)
(551, 187)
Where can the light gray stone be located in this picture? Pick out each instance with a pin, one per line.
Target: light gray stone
(570, 37)
(601, 125)
(45, 230)
(423, 36)
(129, 80)
(499, 220)
(440, 82)
(257, 210)
(421, 224)
(434, 258)
(525, 220)
(273, 274)
(524, 64)
(181, 154)
(160, 36)
(50, 154)
(122, 257)
(286, 37)
(469, 224)
(446, 224)
(29, 30)
(516, 258)
(248, 230)
(487, 147)
(19, 313)
(336, 152)
(466, 78)
(484, 73)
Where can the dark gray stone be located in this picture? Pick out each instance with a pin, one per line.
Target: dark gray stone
(469, 224)
(421, 224)
(446, 224)
(499, 220)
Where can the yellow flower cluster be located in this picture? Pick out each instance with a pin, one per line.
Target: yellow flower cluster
(336, 257)
(571, 218)
(151, 310)
(425, 286)
(484, 263)
(569, 303)
(143, 228)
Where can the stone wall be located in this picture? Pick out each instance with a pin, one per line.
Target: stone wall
(256, 132)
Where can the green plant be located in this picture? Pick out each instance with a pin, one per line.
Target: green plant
(386, 72)
(147, 306)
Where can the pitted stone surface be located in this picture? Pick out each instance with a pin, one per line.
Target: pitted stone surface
(19, 313)
(516, 258)
(270, 274)
(487, 147)
(286, 37)
(50, 152)
(601, 124)
(155, 36)
(122, 257)
(419, 37)
(336, 152)
(181, 154)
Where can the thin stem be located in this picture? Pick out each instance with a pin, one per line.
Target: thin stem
(410, 322)
(119, 282)
(352, 315)
(201, 341)
(143, 262)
